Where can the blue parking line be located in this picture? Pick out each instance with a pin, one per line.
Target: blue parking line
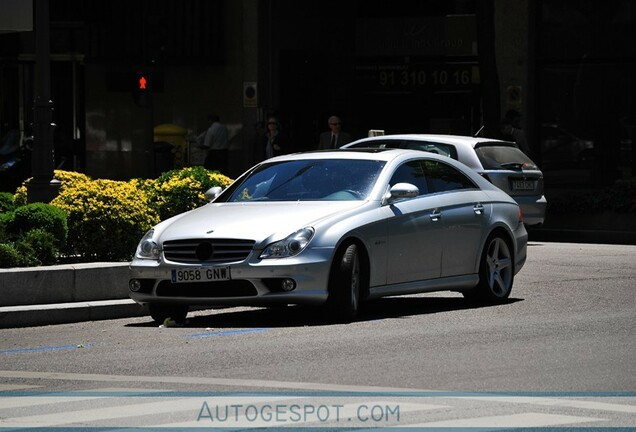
(225, 333)
(49, 348)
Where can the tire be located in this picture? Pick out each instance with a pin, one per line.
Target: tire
(160, 311)
(344, 285)
(496, 272)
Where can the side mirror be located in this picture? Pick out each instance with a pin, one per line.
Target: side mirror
(401, 191)
(212, 193)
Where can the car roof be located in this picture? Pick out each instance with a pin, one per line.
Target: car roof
(383, 154)
(459, 140)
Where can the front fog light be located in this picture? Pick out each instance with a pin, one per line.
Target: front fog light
(288, 284)
(134, 285)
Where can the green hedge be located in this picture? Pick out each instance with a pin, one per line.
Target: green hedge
(31, 235)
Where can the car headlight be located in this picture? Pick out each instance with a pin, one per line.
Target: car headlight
(290, 246)
(147, 248)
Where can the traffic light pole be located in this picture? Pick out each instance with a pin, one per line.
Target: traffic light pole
(42, 187)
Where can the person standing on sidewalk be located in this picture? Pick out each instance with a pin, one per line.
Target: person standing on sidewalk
(217, 143)
(335, 137)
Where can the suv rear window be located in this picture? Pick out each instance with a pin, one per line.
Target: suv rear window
(496, 157)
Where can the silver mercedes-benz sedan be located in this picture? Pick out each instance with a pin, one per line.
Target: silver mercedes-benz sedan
(335, 228)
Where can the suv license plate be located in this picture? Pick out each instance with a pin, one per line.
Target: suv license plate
(525, 185)
(201, 274)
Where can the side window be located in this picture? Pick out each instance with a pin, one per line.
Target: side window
(442, 177)
(411, 172)
(443, 149)
(379, 144)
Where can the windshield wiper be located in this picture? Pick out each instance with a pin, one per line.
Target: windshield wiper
(298, 173)
(513, 165)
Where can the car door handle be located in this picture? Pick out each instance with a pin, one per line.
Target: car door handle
(435, 215)
(478, 209)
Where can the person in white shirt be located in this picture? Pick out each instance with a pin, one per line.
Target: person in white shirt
(217, 143)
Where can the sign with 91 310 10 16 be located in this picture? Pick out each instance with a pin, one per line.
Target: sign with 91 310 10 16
(202, 274)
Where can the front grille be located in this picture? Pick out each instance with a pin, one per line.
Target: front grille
(207, 250)
(235, 288)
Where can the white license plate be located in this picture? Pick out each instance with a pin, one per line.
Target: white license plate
(525, 185)
(201, 274)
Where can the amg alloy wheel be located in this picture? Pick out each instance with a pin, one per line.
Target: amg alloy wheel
(496, 272)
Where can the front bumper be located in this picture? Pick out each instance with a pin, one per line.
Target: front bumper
(254, 282)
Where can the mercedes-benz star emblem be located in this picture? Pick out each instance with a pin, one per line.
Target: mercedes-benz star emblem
(204, 251)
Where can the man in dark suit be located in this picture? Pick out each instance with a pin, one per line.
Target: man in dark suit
(335, 137)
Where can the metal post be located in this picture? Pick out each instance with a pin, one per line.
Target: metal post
(42, 187)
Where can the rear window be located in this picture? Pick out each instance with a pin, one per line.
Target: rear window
(503, 157)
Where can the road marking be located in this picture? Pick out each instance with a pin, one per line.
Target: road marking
(553, 402)
(513, 420)
(225, 333)
(45, 348)
(16, 387)
(32, 400)
(206, 381)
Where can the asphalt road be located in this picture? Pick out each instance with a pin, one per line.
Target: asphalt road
(560, 352)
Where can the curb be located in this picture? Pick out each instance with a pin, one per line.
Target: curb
(66, 293)
(64, 313)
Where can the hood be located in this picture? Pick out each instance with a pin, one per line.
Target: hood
(252, 221)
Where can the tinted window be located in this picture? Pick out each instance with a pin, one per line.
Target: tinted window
(444, 177)
(443, 149)
(379, 144)
(431, 176)
(494, 157)
(413, 173)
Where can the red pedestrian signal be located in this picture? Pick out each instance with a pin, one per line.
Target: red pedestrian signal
(142, 87)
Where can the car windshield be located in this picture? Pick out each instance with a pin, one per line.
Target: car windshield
(308, 180)
(496, 157)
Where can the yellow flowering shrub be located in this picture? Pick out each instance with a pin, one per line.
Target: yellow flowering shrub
(66, 178)
(180, 190)
(106, 218)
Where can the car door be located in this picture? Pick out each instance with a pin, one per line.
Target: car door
(465, 211)
(415, 233)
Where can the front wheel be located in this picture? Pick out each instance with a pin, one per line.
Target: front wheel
(161, 311)
(496, 272)
(344, 285)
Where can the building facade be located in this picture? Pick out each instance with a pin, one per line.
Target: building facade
(454, 66)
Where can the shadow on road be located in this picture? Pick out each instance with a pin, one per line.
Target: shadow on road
(301, 316)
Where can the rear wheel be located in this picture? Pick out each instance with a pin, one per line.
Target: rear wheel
(344, 285)
(160, 311)
(496, 272)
